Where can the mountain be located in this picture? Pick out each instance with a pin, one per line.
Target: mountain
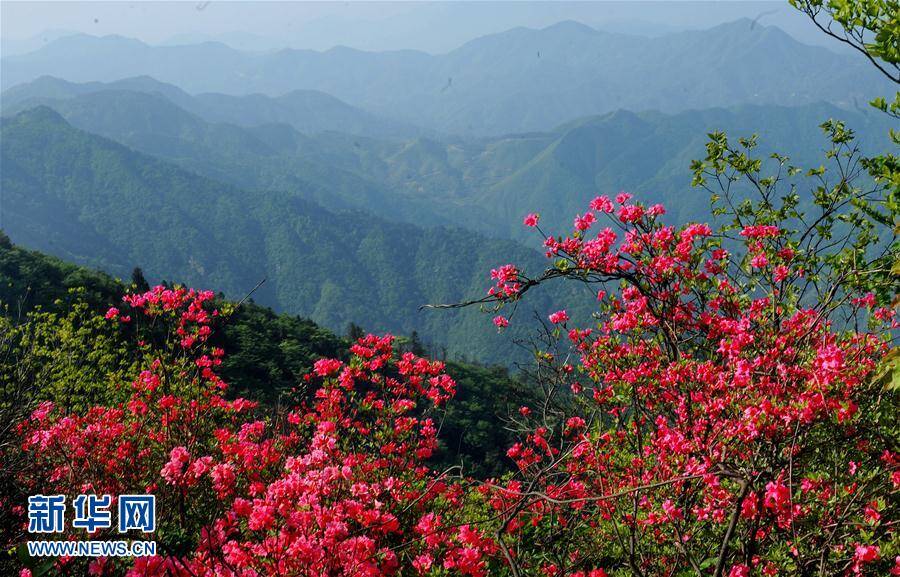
(10, 45)
(516, 81)
(93, 201)
(307, 111)
(649, 154)
(485, 185)
(265, 157)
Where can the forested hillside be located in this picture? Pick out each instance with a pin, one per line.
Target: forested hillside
(308, 111)
(268, 354)
(92, 201)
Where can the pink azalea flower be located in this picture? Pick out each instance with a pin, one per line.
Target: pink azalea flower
(559, 317)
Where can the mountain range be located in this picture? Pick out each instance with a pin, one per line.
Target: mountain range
(95, 202)
(483, 184)
(516, 81)
(308, 111)
(362, 185)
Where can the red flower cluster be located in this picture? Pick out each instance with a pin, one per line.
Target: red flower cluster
(507, 283)
(728, 425)
(340, 487)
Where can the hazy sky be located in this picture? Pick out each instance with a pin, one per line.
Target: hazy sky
(429, 26)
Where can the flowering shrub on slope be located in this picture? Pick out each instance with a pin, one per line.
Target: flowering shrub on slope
(721, 415)
(339, 487)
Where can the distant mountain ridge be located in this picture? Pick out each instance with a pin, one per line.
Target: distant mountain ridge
(485, 185)
(308, 111)
(515, 81)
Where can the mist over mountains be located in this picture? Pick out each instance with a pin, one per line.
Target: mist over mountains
(516, 81)
(308, 111)
(483, 184)
(365, 184)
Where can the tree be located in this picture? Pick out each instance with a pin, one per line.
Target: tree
(355, 332)
(415, 344)
(723, 415)
(138, 282)
(872, 28)
(701, 431)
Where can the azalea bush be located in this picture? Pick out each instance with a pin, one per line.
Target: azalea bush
(729, 409)
(337, 485)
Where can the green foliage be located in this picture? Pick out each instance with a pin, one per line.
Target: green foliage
(56, 310)
(844, 219)
(79, 358)
(889, 373)
(870, 26)
(269, 353)
(886, 167)
(474, 431)
(28, 279)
